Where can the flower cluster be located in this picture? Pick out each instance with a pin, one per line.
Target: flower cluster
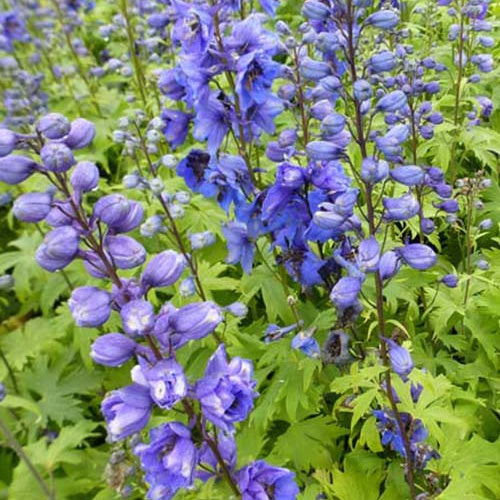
(213, 404)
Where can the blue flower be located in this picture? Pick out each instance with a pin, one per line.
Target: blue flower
(263, 481)
(226, 392)
(240, 247)
(169, 460)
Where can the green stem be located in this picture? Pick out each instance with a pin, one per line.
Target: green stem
(14, 444)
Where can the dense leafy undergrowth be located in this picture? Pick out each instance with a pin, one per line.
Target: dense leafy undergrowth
(249, 249)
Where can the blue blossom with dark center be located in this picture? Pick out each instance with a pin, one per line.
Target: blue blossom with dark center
(193, 29)
(169, 460)
(413, 428)
(226, 392)
(213, 121)
(192, 169)
(336, 348)
(12, 28)
(266, 482)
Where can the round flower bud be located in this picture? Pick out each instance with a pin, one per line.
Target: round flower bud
(383, 19)
(409, 175)
(417, 256)
(112, 349)
(392, 102)
(237, 309)
(58, 249)
(196, 320)
(362, 90)
(85, 176)
(15, 169)
(400, 359)
(389, 265)
(201, 240)
(112, 209)
(315, 10)
(90, 306)
(32, 207)
(482, 264)
(57, 157)
(163, 269)
(332, 124)
(427, 225)
(53, 126)
(450, 280)
(125, 252)
(81, 134)
(402, 208)
(8, 141)
(486, 224)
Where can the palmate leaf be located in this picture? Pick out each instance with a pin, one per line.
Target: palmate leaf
(34, 337)
(308, 443)
(473, 467)
(267, 283)
(57, 388)
(47, 458)
(360, 479)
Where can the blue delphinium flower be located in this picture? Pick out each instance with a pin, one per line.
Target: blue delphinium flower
(169, 460)
(261, 480)
(226, 392)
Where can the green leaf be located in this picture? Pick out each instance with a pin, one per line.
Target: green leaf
(308, 443)
(12, 401)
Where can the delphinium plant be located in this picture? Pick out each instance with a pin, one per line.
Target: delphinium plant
(260, 242)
